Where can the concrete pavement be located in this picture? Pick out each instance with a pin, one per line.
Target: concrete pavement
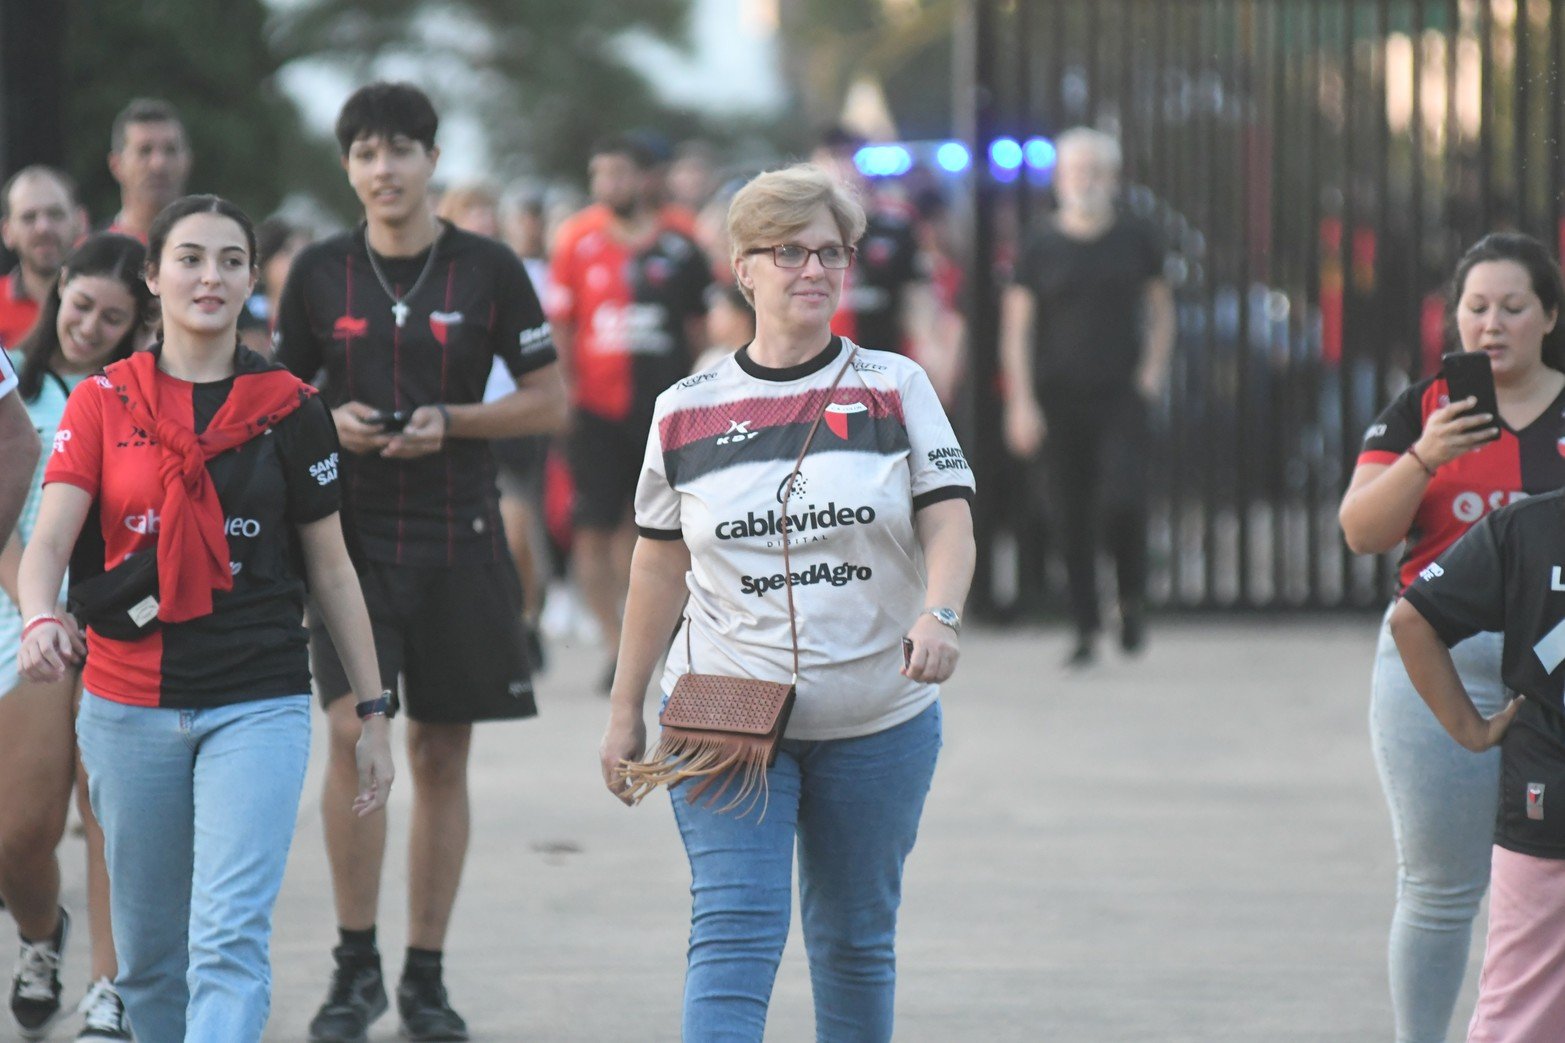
(1191, 846)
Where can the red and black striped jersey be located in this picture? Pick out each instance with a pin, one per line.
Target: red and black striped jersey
(474, 305)
(627, 305)
(1517, 464)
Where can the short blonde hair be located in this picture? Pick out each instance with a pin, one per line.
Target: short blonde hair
(779, 203)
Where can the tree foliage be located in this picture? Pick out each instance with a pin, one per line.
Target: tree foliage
(212, 62)
(547, 76)
(827, 44)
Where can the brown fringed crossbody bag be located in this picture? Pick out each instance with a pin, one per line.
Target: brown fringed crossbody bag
(724, 728)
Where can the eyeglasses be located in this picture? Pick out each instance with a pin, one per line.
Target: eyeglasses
(792, 255)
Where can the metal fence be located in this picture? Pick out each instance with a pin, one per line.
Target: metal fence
(1317, 166)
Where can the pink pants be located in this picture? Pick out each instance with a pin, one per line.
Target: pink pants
(1521, 993)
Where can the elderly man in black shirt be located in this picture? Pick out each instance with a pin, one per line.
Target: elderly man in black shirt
(1087, 331)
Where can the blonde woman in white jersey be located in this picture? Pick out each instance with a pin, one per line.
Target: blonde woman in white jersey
(881, 550)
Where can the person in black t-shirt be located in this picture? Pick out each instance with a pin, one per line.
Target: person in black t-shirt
(406, 315)
(216, 469)
(1507, 575)
(1087, 332)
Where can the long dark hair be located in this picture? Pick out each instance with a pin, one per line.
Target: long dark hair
(1542, 270)
(106, 255)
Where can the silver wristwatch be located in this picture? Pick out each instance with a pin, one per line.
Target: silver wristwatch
(948, 616)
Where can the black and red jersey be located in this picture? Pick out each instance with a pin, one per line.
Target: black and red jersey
(253, 644)
(887, 262)
(475, 304)
(1517, 464)
(628, 304)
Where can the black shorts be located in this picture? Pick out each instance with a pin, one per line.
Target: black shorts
(605, 459)
(519, 466)
(452, 634)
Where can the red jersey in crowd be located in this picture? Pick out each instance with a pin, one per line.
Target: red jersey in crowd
(18, 311)
(628, 304)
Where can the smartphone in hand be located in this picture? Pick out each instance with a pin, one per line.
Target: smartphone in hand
(1468, 375)
(393, 420)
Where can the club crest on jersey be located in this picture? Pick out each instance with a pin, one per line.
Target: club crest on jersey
(350, 326)
(844, 418)
(441, 321)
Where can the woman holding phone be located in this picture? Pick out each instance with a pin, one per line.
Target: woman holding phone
(1429, 470)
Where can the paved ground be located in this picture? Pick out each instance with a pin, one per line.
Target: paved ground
(1188, 847)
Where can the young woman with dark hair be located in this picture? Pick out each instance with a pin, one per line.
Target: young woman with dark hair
(195, 723)
(88, 319)
(1429, 470)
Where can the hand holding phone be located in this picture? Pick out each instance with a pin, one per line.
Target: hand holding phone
(1468, 375)
(390, 420)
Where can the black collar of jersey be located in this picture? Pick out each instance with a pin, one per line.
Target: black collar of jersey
(245, 361)
(820, 361)
(362, 234)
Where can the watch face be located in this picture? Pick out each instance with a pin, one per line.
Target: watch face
(946, 616)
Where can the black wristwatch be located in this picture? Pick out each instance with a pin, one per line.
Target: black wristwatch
(367, 708)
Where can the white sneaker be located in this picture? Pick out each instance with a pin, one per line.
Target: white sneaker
(103, 1015)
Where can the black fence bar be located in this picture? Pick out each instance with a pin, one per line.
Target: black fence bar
(1316, 167)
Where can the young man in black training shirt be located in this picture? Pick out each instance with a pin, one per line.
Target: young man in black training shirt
(405, 315)
(1506, 575)
(1087, 333)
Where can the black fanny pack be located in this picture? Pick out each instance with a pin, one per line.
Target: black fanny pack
(121, 603)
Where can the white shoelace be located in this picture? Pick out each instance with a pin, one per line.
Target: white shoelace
(36, 969)
(102, 1008)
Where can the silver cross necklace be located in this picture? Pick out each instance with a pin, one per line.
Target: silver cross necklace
(399, 307)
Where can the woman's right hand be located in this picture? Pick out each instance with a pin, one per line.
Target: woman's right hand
(50, 650)
(1448, 433)
(625, 739)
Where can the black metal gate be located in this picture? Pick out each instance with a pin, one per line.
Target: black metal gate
(1316, 166)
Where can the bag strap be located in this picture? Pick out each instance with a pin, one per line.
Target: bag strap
(793, 620)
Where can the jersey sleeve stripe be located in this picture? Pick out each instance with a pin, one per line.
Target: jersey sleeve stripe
(660, 534)
(1378, 456)
(947, 492)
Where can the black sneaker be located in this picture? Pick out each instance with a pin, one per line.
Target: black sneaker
(103, 1015)
(356, 999)
(1083, 655)
(426, 1012)
(35, 987)
(1133, 633)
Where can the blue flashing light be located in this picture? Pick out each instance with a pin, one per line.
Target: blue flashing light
(953, 157)
(1005, 153)
(883, 160)
(1004, 175)
(1039, 153)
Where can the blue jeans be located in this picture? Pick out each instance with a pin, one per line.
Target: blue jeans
(853, 806)
(198, 810)
(1442, 800)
